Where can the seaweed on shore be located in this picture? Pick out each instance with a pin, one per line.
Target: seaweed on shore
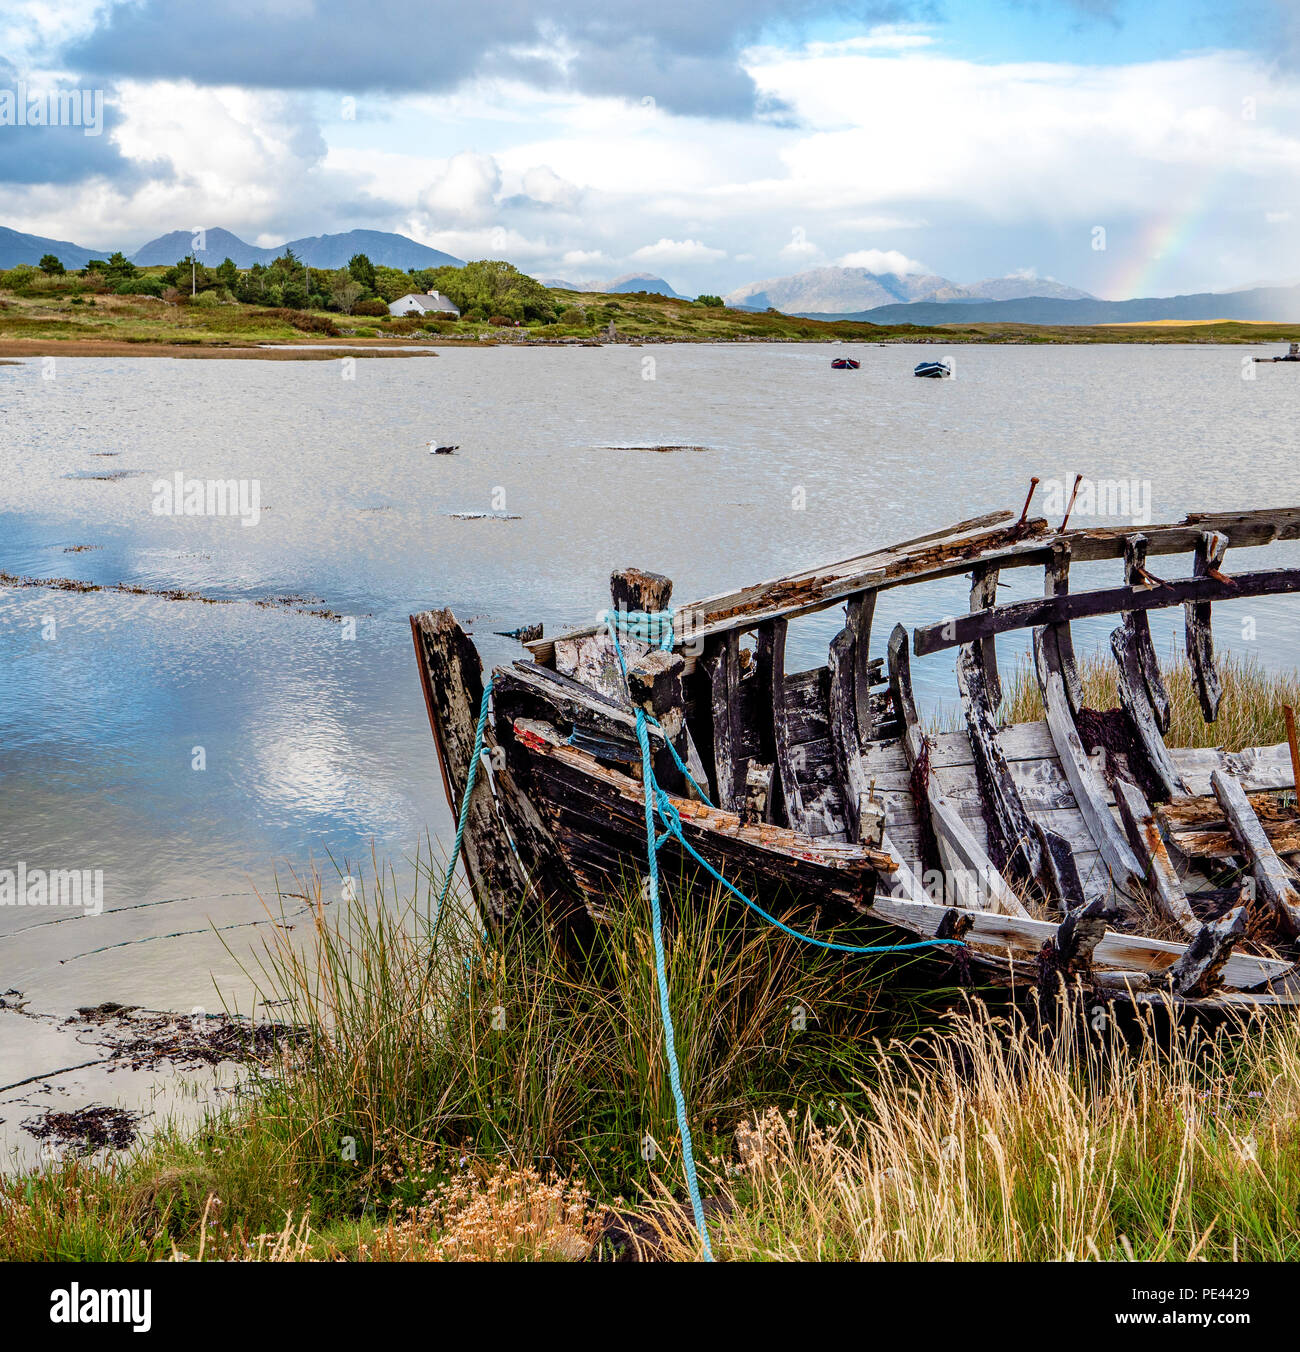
(300, 605)
(86, 1130)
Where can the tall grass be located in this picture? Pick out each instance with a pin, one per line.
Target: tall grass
(1250, 713)
(987, 1142)
(494, 1102)
(422, 1030)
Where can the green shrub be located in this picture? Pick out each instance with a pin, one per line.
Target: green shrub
(141, 286)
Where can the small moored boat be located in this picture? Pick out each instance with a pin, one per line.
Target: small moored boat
(933, 369)
(845, 364)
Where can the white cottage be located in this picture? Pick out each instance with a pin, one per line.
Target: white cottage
(423, 303)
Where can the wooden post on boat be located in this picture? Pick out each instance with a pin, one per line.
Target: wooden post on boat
(1138, 628)
(1134, 693)
(654, 681)
(633, 589)
(1210, 549)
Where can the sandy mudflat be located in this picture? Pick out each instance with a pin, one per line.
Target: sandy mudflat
(53, 347)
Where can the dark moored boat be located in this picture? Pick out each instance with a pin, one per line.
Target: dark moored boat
(845, 364)
(935, 370)
(1122, 870)
(1292, 354)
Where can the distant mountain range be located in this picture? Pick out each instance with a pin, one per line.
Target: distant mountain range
(840, 290)
(630, 281)
(819, 293)
(15, 248)
(1281, 304)
(317, 251)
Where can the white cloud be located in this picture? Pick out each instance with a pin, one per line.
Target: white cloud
(1029, 156)
(882, 260)
(543, 184)
(800, 246)
(465, 189)
(677, 251)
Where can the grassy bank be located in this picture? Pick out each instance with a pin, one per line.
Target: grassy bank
(462, 1097)
(60, 312)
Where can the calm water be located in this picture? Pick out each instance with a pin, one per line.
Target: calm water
(317, 746)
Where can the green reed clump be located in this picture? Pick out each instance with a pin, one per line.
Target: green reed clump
(423, 1033)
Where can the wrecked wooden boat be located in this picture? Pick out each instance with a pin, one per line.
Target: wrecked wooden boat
(1080, 846)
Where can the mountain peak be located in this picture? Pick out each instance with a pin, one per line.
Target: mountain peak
(317, 251)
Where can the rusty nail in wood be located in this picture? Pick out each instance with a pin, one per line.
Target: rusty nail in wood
(1024, 511)
(1069, 506)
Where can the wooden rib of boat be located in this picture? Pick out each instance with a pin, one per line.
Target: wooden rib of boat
(1080, 844)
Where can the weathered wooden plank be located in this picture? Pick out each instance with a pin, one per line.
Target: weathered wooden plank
(949, 633)
(1272, 877)
(1019, 545)
(858, 615)
(1020, 939)
(983, 595)
(1210, 548)
(1136, 700)
(1020, 847)
(845, 746)
(806, 697)
(451, 676)
(1139, 631)
(770, 659)
(721, 665)
(1198, 828)
(1124, 868)
(1056, 583)
(1144, 836)
(963, 857)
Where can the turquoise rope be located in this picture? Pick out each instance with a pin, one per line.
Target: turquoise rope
(657, 627)
(470, 777)
(661, 975)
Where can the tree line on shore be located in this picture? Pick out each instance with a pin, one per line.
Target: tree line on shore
(489, 290)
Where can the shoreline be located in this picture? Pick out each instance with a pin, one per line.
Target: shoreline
(330, 349)
(110, 347)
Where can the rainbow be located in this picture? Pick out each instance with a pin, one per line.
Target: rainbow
(1163, 237)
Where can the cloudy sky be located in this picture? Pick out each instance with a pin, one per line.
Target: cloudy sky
(713, 144)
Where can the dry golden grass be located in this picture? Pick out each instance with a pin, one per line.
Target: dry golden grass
(1250, 714)
(985, 1143)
